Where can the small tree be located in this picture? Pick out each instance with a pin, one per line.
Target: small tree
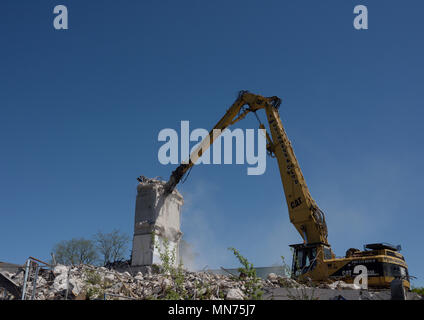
(176, 274)
(248, 274)
(111, 246)
(75, 252)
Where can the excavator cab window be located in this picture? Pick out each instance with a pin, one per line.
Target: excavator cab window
(304, 260)
(327, 253)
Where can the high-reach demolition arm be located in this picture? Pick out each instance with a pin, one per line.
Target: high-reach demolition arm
(304, 213)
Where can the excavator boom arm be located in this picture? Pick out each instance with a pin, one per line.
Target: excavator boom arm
(304, 213)
(234, 114)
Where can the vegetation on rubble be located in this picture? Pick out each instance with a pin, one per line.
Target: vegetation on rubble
(418, 290)
(176, 290)
(252, 284)
(287, 271)
(95, 285)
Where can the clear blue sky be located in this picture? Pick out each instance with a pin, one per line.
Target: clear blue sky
(80, 112)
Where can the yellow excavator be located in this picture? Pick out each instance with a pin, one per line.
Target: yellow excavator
(313, 259)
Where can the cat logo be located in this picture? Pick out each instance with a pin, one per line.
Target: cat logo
(296, 203)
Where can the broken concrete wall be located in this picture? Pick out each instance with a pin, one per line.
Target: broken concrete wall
(158, 214)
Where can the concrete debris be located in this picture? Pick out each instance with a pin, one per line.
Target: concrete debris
(9, 285)
(98, 283)
(89, 282)
(272, 277)
(235, 294)
(343, 285)
(283, 281)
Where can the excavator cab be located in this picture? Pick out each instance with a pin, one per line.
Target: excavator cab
(304, 259)
(308, 258)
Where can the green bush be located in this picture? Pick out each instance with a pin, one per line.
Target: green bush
(95, 286)
(419, 290)
(248, 274)
(176, 274)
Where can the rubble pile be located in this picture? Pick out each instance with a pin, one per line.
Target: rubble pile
(88, 282)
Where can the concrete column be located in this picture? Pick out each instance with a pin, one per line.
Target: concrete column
(155, 214)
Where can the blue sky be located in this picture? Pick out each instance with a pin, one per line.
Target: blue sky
(81, 109)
